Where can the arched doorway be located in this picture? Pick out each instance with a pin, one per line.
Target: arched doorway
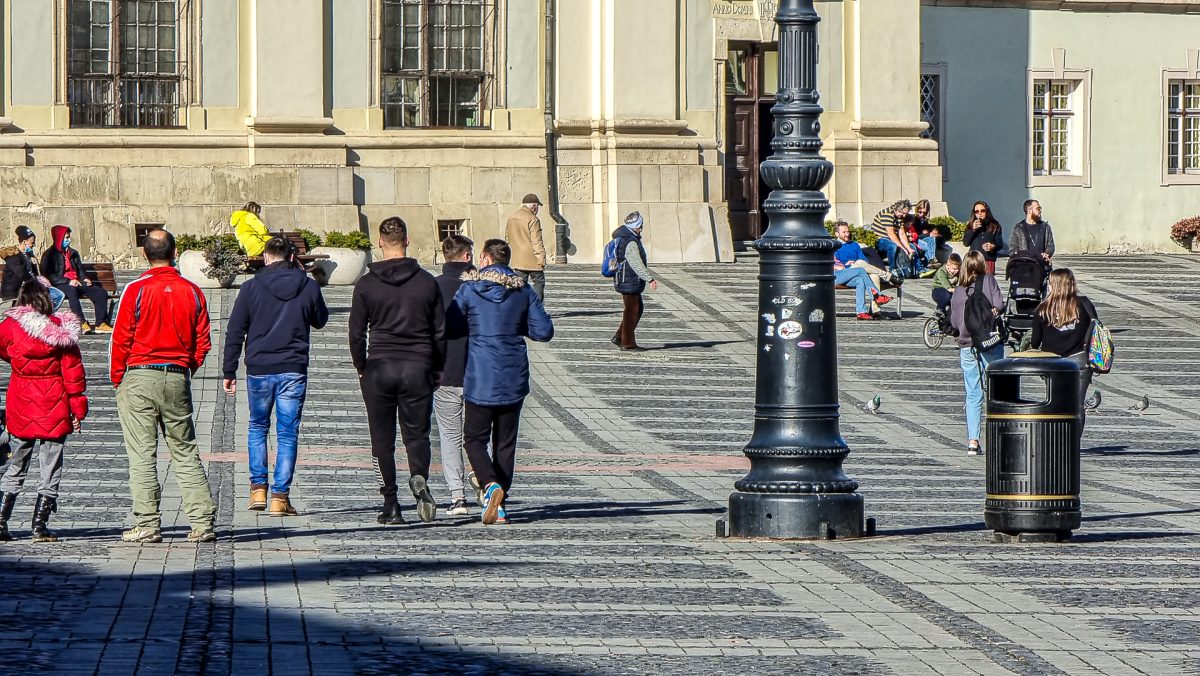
(751, 79)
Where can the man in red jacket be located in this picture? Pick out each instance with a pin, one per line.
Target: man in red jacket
(159, 341)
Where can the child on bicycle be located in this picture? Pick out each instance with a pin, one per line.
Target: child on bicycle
(944, 282)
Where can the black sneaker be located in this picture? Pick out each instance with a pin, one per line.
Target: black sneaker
(426, 507)
(974, 450)
(390, 516)
(458, 508)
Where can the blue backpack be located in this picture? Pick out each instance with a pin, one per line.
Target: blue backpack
(609, 264)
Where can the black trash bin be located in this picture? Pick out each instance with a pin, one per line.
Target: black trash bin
(1033, 419)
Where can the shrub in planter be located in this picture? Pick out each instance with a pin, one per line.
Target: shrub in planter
(348, 258)
(190, 243)
(952, 229)
(311, 239)
(1186, 229)
(225, 259)
(348, 240)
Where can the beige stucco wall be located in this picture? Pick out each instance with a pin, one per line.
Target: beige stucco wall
(1126, 207)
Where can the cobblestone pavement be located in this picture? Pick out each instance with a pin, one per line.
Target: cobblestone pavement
(610, 565)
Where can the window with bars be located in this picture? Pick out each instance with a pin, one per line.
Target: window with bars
(931, 95)
(123, 63)
(1053, 122)
(1183, 127)
(434, 63)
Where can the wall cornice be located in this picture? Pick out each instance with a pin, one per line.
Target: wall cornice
(1159, 6)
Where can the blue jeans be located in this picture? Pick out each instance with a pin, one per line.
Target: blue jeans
(887, 248)
(285, 393)
(928, 247)
(973, 380)
(864, 290)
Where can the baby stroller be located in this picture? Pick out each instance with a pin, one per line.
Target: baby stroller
(1026, 287)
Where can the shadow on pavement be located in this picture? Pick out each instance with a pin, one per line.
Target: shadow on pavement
(183, 622)
(699, 343)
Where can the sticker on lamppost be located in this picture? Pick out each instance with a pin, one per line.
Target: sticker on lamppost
(790, 330)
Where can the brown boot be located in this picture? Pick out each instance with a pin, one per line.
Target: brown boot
(281, 506)
(258, 498)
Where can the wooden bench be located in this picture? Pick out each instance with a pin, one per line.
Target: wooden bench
(885, 286)
(255, 263)
(103, 275)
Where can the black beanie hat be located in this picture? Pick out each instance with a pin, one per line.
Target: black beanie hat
(23, 233)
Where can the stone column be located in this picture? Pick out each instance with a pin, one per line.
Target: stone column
(882, 158)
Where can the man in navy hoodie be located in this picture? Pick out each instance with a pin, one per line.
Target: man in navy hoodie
(497, 311)
(272, 316)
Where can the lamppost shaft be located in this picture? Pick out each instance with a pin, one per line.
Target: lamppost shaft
(796, 487)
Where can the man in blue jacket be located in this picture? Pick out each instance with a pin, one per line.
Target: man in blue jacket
(272, 316)
(497, 310)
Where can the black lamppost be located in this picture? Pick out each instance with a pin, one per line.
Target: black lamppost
(796, 487)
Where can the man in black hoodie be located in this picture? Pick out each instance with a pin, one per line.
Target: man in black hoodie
(272, 315)
(448, 399)
(397, 326)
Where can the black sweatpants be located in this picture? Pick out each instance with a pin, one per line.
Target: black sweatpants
(396, 390)
(499, 424)
(94, 293)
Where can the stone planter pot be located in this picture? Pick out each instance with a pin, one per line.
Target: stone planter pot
(191, 266)
(342, 268)
(1196, 244)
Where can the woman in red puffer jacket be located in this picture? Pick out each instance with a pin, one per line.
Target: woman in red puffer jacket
(46, 400)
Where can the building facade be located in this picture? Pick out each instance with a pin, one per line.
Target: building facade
(121, 115)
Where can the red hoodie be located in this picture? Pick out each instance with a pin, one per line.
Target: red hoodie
(58, 233)
(162, 319)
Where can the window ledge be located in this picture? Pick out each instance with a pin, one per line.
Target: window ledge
(1071, 180)
(290, 125)
(1180, 179)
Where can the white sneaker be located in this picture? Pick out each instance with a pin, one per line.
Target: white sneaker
(458, 507)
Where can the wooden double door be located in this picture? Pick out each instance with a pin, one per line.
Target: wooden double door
(749, 127)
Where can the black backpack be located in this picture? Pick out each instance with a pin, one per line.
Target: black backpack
(984, 325)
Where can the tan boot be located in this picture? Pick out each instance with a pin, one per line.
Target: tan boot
(281, 506)
(104, 328)
(258, 498)
(84, 327)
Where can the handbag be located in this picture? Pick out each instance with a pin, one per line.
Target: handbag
(1101, 350)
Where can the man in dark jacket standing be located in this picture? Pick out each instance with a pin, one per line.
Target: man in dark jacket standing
(272, 316)
(498, 311)
(396, 342)
(63, 266)
(448, 399)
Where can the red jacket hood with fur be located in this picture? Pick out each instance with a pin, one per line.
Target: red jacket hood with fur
(48, 382)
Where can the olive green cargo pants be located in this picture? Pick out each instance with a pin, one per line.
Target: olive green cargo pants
(144, 398)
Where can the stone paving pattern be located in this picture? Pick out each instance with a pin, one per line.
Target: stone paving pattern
(610, 565)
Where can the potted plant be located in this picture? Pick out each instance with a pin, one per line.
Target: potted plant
(349, 253)
(225, 260)
(1187, 232)
(952, 231)
(189, 257)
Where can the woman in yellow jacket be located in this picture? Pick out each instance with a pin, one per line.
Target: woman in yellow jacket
(249, 229)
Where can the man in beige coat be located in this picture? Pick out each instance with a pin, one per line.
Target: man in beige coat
(524, 235)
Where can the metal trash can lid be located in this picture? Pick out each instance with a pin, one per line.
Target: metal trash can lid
(1032, 365)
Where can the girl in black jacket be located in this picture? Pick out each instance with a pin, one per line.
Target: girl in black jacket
(984, 234)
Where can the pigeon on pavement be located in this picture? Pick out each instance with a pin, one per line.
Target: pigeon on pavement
(1092, 403)
(873, 406)
(1141, 405)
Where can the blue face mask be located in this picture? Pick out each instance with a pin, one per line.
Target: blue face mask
(29, 249)
(66, 242)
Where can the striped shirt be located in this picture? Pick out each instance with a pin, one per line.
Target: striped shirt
(884, 220)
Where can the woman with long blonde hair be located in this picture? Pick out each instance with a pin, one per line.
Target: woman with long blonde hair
(1062, 325)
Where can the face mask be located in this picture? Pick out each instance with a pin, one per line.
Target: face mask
(29, 250)
(66, 242)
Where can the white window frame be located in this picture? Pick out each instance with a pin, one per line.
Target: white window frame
(939, 70)
(1079, 163)
(1169, 77)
